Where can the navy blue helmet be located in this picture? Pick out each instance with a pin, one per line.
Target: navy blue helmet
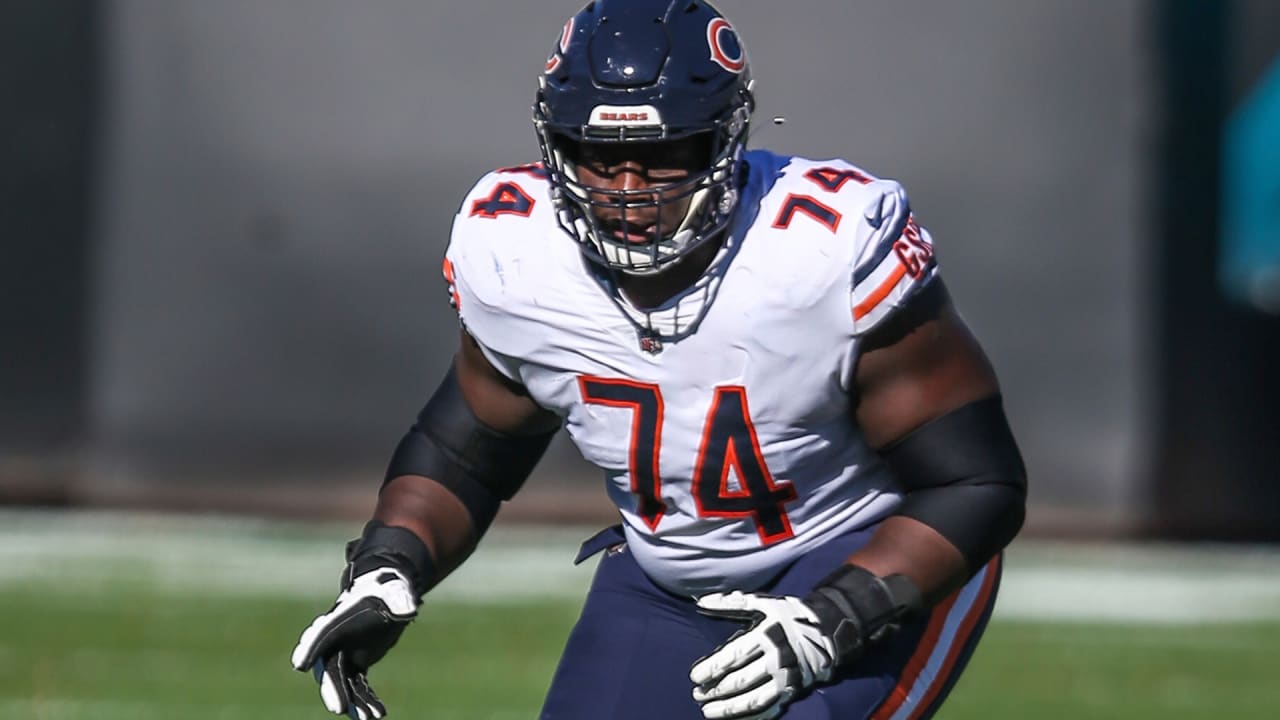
(645, 71)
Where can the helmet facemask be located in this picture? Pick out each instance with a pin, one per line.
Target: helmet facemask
(634, 230)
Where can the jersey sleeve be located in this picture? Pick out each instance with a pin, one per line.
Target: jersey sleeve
(480, 270)
(894, 260)
(457, 288)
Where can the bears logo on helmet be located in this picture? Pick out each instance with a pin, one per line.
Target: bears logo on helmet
(726, 50)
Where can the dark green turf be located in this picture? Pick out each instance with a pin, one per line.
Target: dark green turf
(128, 653)
(1207, 672)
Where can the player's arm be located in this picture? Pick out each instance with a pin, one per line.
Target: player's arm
(927, 400)
(929, 403)
(473, 445)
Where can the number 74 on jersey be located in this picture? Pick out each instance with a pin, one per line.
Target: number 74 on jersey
(729, 442)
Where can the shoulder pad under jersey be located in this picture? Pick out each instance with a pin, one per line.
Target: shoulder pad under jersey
(499, 240)
(887, 257)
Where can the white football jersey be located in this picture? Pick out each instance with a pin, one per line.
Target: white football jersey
(722, 419)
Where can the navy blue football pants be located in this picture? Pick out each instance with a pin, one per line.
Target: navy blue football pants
(629, 655)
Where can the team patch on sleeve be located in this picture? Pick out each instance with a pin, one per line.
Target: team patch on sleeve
(897, 261)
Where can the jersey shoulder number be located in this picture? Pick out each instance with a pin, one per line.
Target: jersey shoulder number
(503, 192)
(891, 255)
(498, 220)
(498, 233)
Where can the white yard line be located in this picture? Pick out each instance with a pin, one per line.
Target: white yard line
(218, 556)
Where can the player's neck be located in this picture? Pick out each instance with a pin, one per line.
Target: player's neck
(646, 292)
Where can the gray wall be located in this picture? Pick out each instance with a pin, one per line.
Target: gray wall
(279, 179)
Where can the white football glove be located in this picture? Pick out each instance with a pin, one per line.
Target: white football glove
(794, 643)
(340, 645)
(760, 669)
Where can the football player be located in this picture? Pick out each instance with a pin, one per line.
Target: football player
(807, 448)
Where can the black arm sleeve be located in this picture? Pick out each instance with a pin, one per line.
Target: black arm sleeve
(964, 477)
(450, 445)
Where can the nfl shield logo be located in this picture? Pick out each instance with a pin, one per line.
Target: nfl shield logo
(650, 344)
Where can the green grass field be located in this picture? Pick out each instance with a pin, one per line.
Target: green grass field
(169, 619)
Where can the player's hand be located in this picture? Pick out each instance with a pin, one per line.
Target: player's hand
(762, 667)
(794, 643)
(340, 645)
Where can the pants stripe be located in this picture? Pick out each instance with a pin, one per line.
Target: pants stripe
(950, 626)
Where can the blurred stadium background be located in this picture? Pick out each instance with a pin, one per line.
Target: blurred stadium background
(221, 227)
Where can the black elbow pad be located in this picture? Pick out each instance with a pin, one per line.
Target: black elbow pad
(963, 476)
(978, 519)
(450, 445)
